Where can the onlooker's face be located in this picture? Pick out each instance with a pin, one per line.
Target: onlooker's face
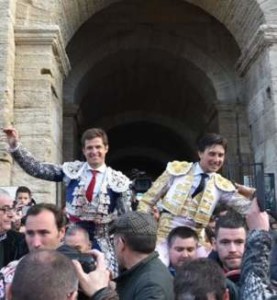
(182, 250)
(211, 225)
(42, 232)
(212, 158)
(95, 152)
(6, 213)
(23, 198)
(79, 241)
(230, 245)
(119, 251)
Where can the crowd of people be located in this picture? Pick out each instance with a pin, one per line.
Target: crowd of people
(193, 235)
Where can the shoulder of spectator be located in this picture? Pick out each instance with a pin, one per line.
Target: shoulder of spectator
(105, 294)
(153, 290)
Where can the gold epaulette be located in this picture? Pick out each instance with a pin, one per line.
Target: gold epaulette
(178, 167)
(224, 184)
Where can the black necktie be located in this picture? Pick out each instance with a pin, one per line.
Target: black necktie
(201, 185)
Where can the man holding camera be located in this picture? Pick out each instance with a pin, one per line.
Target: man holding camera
(95, 193)
(47, 274)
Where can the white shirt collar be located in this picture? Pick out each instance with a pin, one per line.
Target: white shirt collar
(100, 169)
(198, 170)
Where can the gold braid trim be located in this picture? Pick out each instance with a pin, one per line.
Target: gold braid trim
(224, 184)
(177, 168)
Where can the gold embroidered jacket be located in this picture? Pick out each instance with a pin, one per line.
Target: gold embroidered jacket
(173, 188)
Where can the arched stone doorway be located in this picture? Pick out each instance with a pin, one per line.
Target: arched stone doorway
(154, 81)
(224, 54)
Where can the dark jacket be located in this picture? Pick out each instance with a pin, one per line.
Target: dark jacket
(104, 294)
(14, 246)
(149, 279)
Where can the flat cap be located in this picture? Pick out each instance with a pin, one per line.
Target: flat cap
(136, 223)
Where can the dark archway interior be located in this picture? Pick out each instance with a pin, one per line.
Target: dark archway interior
(146, 146)
(139, 83)
(152, 102)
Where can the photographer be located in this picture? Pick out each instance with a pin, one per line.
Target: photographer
(47, 274)
(96, 283)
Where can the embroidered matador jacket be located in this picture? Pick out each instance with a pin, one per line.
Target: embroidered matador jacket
(173, 190)
(113, 198)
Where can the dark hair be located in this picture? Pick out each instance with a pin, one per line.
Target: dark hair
(141, 243)
(23, 189)
(211, 139)
(60, 218)
(92, 133)
(76, 229)
(182, 232)
(198, 278)
(209, 234)
(220, 208)
(44, 274)
(232, 220)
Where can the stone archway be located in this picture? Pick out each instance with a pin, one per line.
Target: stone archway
(237, 77)
(162, 70)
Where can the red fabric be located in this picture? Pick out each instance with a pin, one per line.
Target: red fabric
(89, 192)
(73, 219)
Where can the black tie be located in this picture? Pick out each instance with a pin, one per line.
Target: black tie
(201, 185)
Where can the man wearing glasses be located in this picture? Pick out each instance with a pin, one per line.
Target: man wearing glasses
(12, 243)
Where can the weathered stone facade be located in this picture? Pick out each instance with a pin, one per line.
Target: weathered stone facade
(155, 74)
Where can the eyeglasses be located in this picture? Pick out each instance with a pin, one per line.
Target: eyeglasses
(6, 209)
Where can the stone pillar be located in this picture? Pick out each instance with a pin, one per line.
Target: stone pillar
(258, 67)
(7, 53)
(41, 65)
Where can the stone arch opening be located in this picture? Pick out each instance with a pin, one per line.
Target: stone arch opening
(173, 67)
(147, 146)
(241, 19)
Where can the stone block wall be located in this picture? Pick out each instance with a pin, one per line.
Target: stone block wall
(7, 58)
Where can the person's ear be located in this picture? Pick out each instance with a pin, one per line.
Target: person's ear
(72, 296)
(8, 292)
(200, 154)
(107, 148)
(213, 243)
(123, 243)
(226, 295)
(62, 233)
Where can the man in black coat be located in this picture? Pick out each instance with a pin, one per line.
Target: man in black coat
(12, 243)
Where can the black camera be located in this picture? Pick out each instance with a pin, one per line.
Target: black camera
(87, 261)
(141, 182)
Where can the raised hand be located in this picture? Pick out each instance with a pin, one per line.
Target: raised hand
(95, 280)
(12, 136)
(246, 191)
(256, 219)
